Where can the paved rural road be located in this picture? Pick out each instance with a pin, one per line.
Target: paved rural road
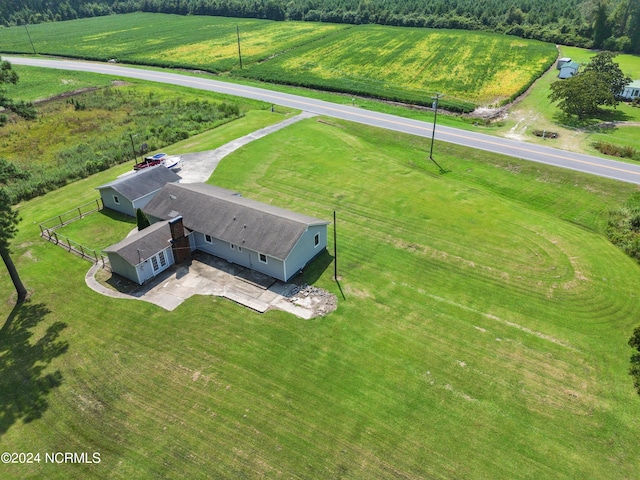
(584, 163)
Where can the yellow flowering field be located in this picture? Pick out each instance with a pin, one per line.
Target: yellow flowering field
(412, 63)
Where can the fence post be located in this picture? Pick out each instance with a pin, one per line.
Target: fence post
(81, 250)
(60, 218)
(79, 212)
(55, 235)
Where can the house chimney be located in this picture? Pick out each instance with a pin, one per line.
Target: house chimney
(179, 242)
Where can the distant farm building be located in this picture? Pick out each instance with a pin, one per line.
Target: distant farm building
(133, 191)
(562, 61)
(568, 69)
(631, 91)
(197, 216)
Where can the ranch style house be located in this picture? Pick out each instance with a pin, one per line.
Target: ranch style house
(130, 192)
(221, 222)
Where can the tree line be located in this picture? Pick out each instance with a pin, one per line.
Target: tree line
(608, 24)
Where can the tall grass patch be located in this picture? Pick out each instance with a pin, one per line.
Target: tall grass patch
(74, 138)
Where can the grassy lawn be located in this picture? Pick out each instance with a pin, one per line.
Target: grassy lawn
(43, 83)
(99, 230)
(252, 121)
(481, 332)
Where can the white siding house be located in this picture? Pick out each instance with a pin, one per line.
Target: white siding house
(631, 91)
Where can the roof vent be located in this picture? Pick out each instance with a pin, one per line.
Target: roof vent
(172, 197)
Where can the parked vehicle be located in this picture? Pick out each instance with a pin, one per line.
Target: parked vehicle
(151, 161)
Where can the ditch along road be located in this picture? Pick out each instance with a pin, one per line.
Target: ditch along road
(625, 172)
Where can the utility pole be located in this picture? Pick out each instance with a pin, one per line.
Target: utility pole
(30, 41)
(239, 53)
(437, 97)
(335, 248)
(135, 159)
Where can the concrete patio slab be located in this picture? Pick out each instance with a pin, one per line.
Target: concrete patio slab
(209, 275)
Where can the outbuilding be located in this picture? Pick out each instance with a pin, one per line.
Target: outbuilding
(132, 191)
(568, 69)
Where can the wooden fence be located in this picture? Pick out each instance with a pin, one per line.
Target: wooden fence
(48, 231)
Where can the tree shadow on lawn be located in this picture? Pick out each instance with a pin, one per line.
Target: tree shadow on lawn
(605, 121)
(24, 385)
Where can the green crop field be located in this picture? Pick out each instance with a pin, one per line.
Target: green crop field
(480, 332)
(411, 64)
(209, 43)
(406, 64)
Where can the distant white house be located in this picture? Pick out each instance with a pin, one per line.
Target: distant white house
(631, 91)
(130, 192)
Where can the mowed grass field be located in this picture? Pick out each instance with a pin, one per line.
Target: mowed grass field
(480, 333)
(405, 64)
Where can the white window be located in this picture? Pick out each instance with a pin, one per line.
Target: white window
(208, 239)
(116, 200)
(163, 261)
(262, 257)
(239, 248)
(316, 240)
(154, 263)
(232, 246)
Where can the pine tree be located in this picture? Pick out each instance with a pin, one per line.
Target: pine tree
(142, 220)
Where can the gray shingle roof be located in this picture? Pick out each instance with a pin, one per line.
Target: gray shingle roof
(143, 244)
(142, 182)
(230, 217)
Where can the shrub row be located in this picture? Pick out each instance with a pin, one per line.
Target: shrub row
(623, 227)
(621, 151)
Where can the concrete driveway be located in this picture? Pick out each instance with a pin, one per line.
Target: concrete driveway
(198, 167)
